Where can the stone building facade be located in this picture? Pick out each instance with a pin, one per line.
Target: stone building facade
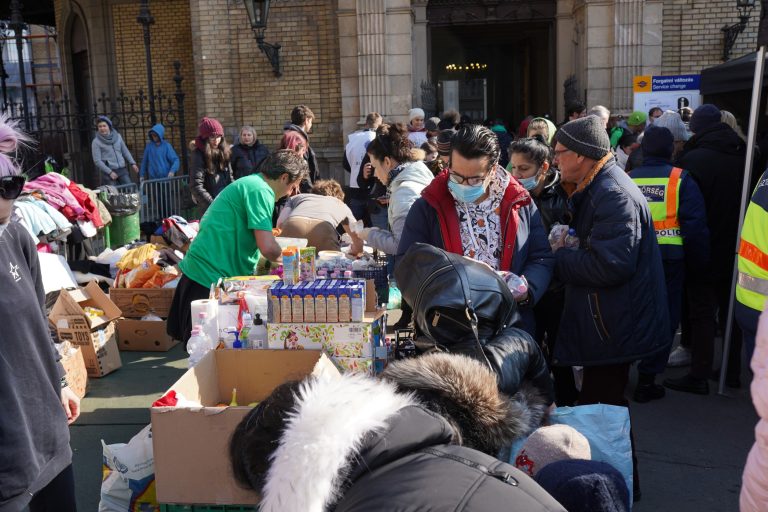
(344, 58)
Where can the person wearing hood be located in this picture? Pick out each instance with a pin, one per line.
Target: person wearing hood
(159, 160)
(111, 155)
(412, 440)
(531, 163)
(475, 208)
(417, 132)
(543, 127)
(302, 119)
(248, 153)
(714, 157)
(400, 168)
(209, 166)
(505, 139)
(680, 222)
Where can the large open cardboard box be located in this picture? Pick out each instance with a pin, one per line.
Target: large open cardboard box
(74, 365)
(191, 446)
(95, 335)
(137, 302)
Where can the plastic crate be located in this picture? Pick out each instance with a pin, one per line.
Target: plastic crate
(380, 281)
(208, 508)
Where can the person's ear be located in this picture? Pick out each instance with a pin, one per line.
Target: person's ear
(545, 167)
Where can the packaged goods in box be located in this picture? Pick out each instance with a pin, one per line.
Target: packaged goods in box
(74, 364)
(84, 317)
(143, 335)
(137, 302)
(191, 444)
(337, 339)
(321, 301)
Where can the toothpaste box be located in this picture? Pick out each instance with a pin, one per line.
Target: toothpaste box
(285, 304)
(344, 300)
(273, 302)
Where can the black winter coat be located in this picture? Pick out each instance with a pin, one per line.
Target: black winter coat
(206, 186)
(615, 297)
(552, 202)
(715, 159)
(246, 159)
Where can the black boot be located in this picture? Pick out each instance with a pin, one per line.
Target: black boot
(688, 384)
(647, 389)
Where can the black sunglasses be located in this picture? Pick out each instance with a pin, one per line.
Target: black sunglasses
(11, 187)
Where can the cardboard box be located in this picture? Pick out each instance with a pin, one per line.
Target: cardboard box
(95, 335)
(149, 336)
(349, 339)
(74, 364)
(137, 302)
(191, 446)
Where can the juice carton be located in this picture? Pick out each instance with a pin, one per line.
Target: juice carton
(309, 301)
(357, 300)
(345, 306)
(285, 305)
(297, 303)
(332, 302)
(290, 265)
(307, 258)
(321, 308)
(273, 302)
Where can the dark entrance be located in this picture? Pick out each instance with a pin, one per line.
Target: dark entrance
(493, 63)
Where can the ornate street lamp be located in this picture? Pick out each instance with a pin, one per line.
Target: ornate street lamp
(145, 19)
(258, 13)
(731, 33)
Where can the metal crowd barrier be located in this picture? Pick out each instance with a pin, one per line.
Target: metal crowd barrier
(163, 198)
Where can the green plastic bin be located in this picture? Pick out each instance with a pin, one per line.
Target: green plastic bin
(124, 230)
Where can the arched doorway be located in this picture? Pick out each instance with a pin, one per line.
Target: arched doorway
(493, 61)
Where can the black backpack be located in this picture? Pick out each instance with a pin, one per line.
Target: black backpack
(458, 303)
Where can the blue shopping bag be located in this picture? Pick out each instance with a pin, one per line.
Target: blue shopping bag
(606, 427)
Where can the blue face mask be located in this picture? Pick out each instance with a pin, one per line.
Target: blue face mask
(530, 183)
(466, 193)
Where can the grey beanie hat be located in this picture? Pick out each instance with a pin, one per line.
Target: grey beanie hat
(585, 136)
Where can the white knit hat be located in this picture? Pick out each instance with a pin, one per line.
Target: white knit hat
(414, 113)
(551, 444)
(671, 121)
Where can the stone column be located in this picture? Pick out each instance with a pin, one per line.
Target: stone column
(399, 72)
(372, 55)
(628, 51)
(420, 46)
(566, 48)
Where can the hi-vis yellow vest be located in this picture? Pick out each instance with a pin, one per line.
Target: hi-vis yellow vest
(752, 284)
(663, 196)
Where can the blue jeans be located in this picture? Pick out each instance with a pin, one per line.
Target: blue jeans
(674, 271)
(123, 178)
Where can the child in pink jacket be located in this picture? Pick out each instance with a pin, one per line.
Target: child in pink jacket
(754, 488)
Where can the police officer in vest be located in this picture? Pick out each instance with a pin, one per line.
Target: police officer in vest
(679, 218)
(752, 284)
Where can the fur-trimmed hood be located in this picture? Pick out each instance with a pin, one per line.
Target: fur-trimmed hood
(329, 425)
(466, 394)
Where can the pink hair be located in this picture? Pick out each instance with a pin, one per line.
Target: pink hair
(10, 140)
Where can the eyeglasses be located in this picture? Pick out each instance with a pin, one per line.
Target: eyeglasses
(560, 152)
(11, 187)
(471, 180)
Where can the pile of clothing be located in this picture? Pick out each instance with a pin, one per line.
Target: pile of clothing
(53, 207)
(148, 266)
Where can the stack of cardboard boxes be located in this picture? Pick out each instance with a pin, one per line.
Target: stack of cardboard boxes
(133, 333)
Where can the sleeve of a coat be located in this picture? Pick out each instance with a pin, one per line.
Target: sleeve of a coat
(96, 155)
(608, 257)
(126, 154)
(173, 158)
(540, 263)
(416, 228)
(693, 225)
(754, 488)
(515, 358)
(198, 184)
(401, 201)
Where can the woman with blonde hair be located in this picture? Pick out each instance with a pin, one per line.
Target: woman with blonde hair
(731, 121)
(248, 153)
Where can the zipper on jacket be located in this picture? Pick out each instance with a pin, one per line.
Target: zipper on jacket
(493, 473)
(597, 317)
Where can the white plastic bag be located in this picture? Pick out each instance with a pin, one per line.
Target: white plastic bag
(128, 483)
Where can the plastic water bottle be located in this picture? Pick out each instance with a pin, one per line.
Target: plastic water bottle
(571, 240)
(518, 285)
(245, 332)
(259, 333)
(197, 346)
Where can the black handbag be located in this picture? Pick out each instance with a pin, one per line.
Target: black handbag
(457, 302)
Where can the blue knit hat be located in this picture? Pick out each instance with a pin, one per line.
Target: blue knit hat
(658, 141)
(705, 116)
(585, 486)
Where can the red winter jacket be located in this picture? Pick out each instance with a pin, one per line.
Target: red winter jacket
(91, 210)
